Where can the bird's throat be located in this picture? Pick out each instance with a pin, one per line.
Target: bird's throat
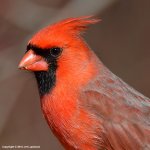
(46, 79)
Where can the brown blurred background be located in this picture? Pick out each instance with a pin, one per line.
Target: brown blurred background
(121, 40)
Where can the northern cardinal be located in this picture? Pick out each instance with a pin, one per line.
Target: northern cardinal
(86, 106)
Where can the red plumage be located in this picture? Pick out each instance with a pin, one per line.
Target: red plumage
(87, 106)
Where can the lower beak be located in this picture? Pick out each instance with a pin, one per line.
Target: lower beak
(33, 62)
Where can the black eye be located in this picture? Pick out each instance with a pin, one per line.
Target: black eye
(55, 51)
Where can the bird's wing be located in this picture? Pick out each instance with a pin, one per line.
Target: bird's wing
(124, 112)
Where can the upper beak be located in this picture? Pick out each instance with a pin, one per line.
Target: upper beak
(33, 62)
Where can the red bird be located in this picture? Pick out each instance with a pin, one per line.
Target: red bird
(86, 106)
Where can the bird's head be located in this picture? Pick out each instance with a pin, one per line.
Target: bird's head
(58, 47)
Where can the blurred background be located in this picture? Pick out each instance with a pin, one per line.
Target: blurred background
(121, 40)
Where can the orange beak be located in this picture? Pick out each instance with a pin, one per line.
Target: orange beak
(33, 62)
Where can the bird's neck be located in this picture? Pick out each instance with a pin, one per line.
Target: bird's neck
(60, 105)
(66, 118)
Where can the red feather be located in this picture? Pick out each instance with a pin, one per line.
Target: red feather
(89, 108)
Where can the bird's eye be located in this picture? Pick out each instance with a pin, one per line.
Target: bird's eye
(55, 51)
